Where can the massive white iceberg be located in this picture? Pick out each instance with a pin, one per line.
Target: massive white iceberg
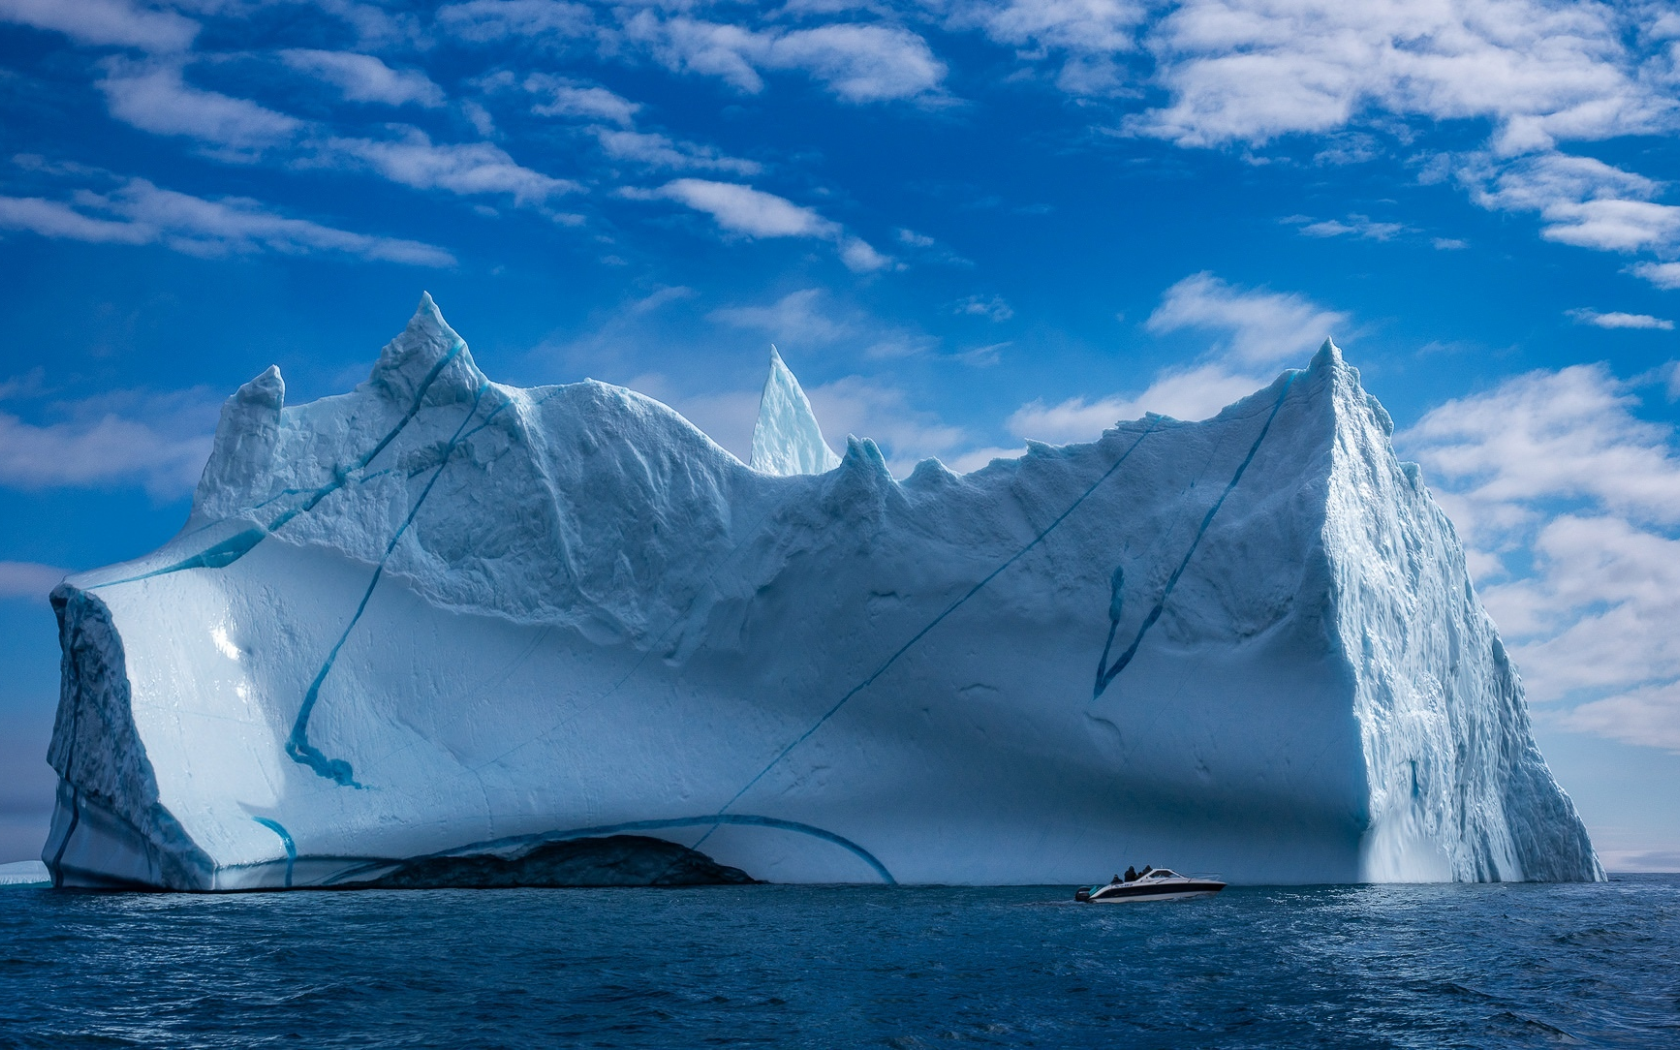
(440, 626)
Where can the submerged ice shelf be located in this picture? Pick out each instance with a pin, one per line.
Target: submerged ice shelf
(443, 629)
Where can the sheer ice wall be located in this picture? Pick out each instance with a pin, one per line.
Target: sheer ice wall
(440, 617)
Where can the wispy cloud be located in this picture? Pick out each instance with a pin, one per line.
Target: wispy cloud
(154, 97)
(991, 307)
(1254, 329)
(1192, 393)
(364, 78)
(141, 213)
(801, 318)
(159, 442)
(748, 212)
(105, 23)
(1248, 71)
(858, 62)
(582, 101)
(27, 579)
(1663, 275)
(660, 151)
(488, 20)
(1581, 201)
(1258, 327)
(1362, 226)
(871, 408)
(413, 159)
(1619, 320)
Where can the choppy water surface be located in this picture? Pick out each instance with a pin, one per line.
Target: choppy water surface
(1434, 966)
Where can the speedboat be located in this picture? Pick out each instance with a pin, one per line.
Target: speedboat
(1159, 884)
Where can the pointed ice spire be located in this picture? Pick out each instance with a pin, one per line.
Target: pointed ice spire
(787, 439)
(428, 357)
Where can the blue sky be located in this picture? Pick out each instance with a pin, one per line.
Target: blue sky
(966, 223)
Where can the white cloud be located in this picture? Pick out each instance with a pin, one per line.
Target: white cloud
(567, 98)
(1663, 275)
(1569, 505)
(141, 213)
(1085, 34)
(991, 307)
(1449, 244)
(364, 78)
(1194, 393)
(26, 579)
(1261, 327)
(465, 168)
(659, 151)
(155, 98)
(1619, 320)
(105, 23)
(1581, 201)
(860, 63)
(859, 257)
(869, 408)
(487, 20)
(160, 443)
(1356, 226)
(744, 210)
(58, 220)
(799, 318)
(750, 212)
(1647, 716)
(1252, 70)
(857, 62)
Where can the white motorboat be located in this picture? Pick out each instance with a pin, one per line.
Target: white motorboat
(1156, 884)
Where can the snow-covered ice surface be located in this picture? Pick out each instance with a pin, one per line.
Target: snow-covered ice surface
(442, 617)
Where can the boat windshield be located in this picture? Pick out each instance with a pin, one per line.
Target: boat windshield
(1163, 873)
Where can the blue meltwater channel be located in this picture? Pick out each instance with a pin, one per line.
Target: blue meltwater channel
(1348, 967)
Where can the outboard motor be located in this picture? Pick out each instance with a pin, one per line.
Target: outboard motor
(1082, 894)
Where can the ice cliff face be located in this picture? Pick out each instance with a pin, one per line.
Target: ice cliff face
(438, 626)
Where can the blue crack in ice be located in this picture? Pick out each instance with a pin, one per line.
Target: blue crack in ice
(286, 840)
(602, 830)
(297, 743)
(226, 552)
(1107, 674)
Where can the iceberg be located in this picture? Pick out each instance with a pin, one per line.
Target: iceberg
(24, 874)
(441, 631)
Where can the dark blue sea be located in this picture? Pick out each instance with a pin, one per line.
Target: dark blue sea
(788, 966)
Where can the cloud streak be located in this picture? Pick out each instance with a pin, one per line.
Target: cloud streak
(142, 213)
(105, 23)
(748, 212)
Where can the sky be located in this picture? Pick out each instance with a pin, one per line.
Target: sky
(965, 223)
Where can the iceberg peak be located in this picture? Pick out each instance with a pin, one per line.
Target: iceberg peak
(787, 439)
(428, 360)
(246, 435)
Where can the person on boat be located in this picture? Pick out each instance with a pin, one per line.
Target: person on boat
(1116, 881)
(1131, 873)
(1147, 868)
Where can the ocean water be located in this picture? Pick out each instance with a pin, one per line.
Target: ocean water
(790, 966)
